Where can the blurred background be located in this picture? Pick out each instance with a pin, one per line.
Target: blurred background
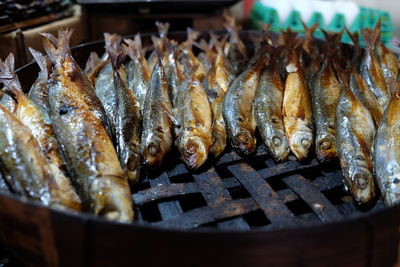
(21, 21)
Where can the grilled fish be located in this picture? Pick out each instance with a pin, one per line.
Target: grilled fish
(39, 91)
(138, 70)
(38, 122)
(195, 119)
(354, 136)
(25, 167)
(297, 109)
(387, 152)
(268, 111)
(236, 51)
(127, 121)
(325, 92)
(91, 158)
(157, 128)
(72, 75)
(371, 71)
(237, 110)
(216, 85)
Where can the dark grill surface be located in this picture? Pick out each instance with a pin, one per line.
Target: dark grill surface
(234, 193)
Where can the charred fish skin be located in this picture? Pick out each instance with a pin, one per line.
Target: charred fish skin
(297, 110)
(387, 153)
(128, 120)
(69, 72)
(355, 132)
(39, 91)
(156, 139)
(138, 70)
(325, 93)
(237, 110)
(268, 114)
(194, 138)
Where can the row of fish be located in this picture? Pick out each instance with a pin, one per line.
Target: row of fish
(299, 93)
(80, 138)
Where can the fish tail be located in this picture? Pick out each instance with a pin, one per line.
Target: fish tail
(370, 37)
(162, 28)
(377, 29)
(114, 50)
(55, 48)
(333, 37)
(158, 47)
(7, 74)
(42, 61)
(92, 62)
(192, 35)
(309, 31)
(354, 38)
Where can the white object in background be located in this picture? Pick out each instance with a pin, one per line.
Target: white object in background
(283, 7)
(349, 9)
(326, 8)
(305, 9)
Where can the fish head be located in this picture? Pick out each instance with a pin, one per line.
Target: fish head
(153, 153)
(193, 148)
(245, 143)
(326, 148)
(279, 147)
(132, 169)
(301, 143)
(362, 185)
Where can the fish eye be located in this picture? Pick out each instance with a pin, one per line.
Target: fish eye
(153, 149)
(361, 181)
(306, 143)
(244, 139)
(191, 148)
(325, 145)
(277, 141)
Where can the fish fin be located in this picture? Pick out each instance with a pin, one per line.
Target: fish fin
(309, 31)
(162, 28)
(369, 37)
(192, 35)
(157, 42)
(377, 29)
(291, 39)
(43, 61)
(57, 48)
(170, 116)
(354, 38)
(92, 62)
(333, 37)
(7, 74)
(114, 50)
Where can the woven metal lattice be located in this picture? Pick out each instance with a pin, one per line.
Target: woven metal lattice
(233, 193)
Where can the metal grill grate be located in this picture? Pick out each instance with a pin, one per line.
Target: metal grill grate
(234, 193)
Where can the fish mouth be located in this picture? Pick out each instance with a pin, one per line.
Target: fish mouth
(326, 150)
(194, 153)
(363, 188)
(245, 143)
(301, 144)
(279, 148)
(152, 155)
